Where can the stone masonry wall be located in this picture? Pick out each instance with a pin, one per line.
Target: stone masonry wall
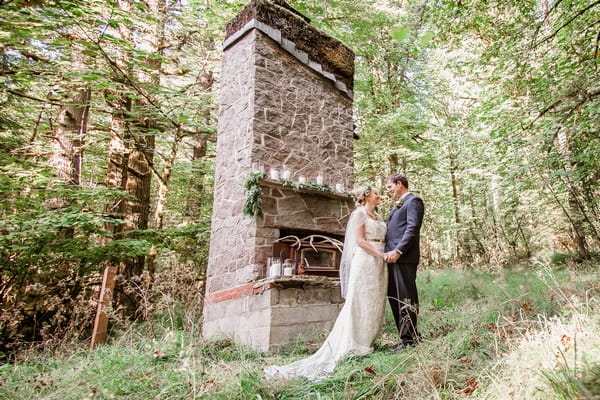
(300, 119)
(285, 100)
(308, 210)
(274, 111)
(306, 311)
(273, 315)
(232, 234)
(303, 123)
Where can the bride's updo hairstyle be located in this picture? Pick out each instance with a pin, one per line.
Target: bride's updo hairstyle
(361, 194)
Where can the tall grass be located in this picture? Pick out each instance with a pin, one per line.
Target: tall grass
(518, 334)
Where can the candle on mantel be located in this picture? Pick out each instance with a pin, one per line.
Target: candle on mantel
(288, 268)
(339, 187)
(302, 179)
(274, 174)
(258, 167)
(319, 179)
(276, 269)
(286, 173)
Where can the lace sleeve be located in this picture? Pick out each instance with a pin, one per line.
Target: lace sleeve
(357, 218)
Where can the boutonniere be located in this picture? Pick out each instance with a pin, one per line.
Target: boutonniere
(399, 202)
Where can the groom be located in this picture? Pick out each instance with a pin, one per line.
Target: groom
(402, 255)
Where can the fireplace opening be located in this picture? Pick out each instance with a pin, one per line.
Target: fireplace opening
(312, 253)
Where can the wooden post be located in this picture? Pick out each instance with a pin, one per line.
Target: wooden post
(104, 301)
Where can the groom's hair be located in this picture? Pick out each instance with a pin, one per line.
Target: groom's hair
(395, 178)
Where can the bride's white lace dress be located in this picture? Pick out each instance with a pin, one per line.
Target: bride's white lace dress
(361, 317)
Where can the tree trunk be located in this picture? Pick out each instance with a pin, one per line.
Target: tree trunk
(194, 199)
(575, 209)
(67, 145)
(196, 192)
(161, 200)
(131, 152)
(163, 182)
(69, 136)
(455, 201)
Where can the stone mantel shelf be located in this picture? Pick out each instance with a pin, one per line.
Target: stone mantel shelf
(296, 281)
(308, 190)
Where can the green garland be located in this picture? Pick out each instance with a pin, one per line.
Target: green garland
(308, 185)
(252, 206)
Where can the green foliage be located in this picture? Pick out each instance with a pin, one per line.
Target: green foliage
(252, 206)
(529, 74)
(480, 103)
(171, 362)
(227, 350)
(54, 241)
(34, 235)
(51, 255)
(560, 258)
(400, 33)
(575, 383)
(307, 185)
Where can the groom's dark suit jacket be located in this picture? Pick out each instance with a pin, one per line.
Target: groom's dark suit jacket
(403, 229)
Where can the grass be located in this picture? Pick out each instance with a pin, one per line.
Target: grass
(520, 334)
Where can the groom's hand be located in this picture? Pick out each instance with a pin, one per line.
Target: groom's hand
(391, 256)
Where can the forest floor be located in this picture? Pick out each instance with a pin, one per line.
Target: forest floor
(520, 333)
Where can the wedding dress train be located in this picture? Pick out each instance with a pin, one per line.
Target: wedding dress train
(361, 317)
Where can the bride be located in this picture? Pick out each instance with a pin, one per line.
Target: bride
(363, 281)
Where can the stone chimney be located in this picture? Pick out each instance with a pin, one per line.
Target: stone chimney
(285, 100)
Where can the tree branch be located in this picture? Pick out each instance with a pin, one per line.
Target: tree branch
(569, 109)
(596, 49)
(6, 72)
(568, 22)
(549, 108)
(26, 96)
(128, 80)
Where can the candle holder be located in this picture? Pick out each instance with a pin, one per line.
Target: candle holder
(274, 174)
(288, 268)
(274, 267)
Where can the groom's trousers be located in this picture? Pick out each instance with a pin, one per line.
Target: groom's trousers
(404, 300)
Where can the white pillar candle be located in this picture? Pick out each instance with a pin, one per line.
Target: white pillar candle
(276, 269)
(339, 187)
(319, 180)
(274, 174)
(302, 179)
(286, 174)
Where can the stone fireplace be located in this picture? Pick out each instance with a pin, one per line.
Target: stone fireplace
(285, 104)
